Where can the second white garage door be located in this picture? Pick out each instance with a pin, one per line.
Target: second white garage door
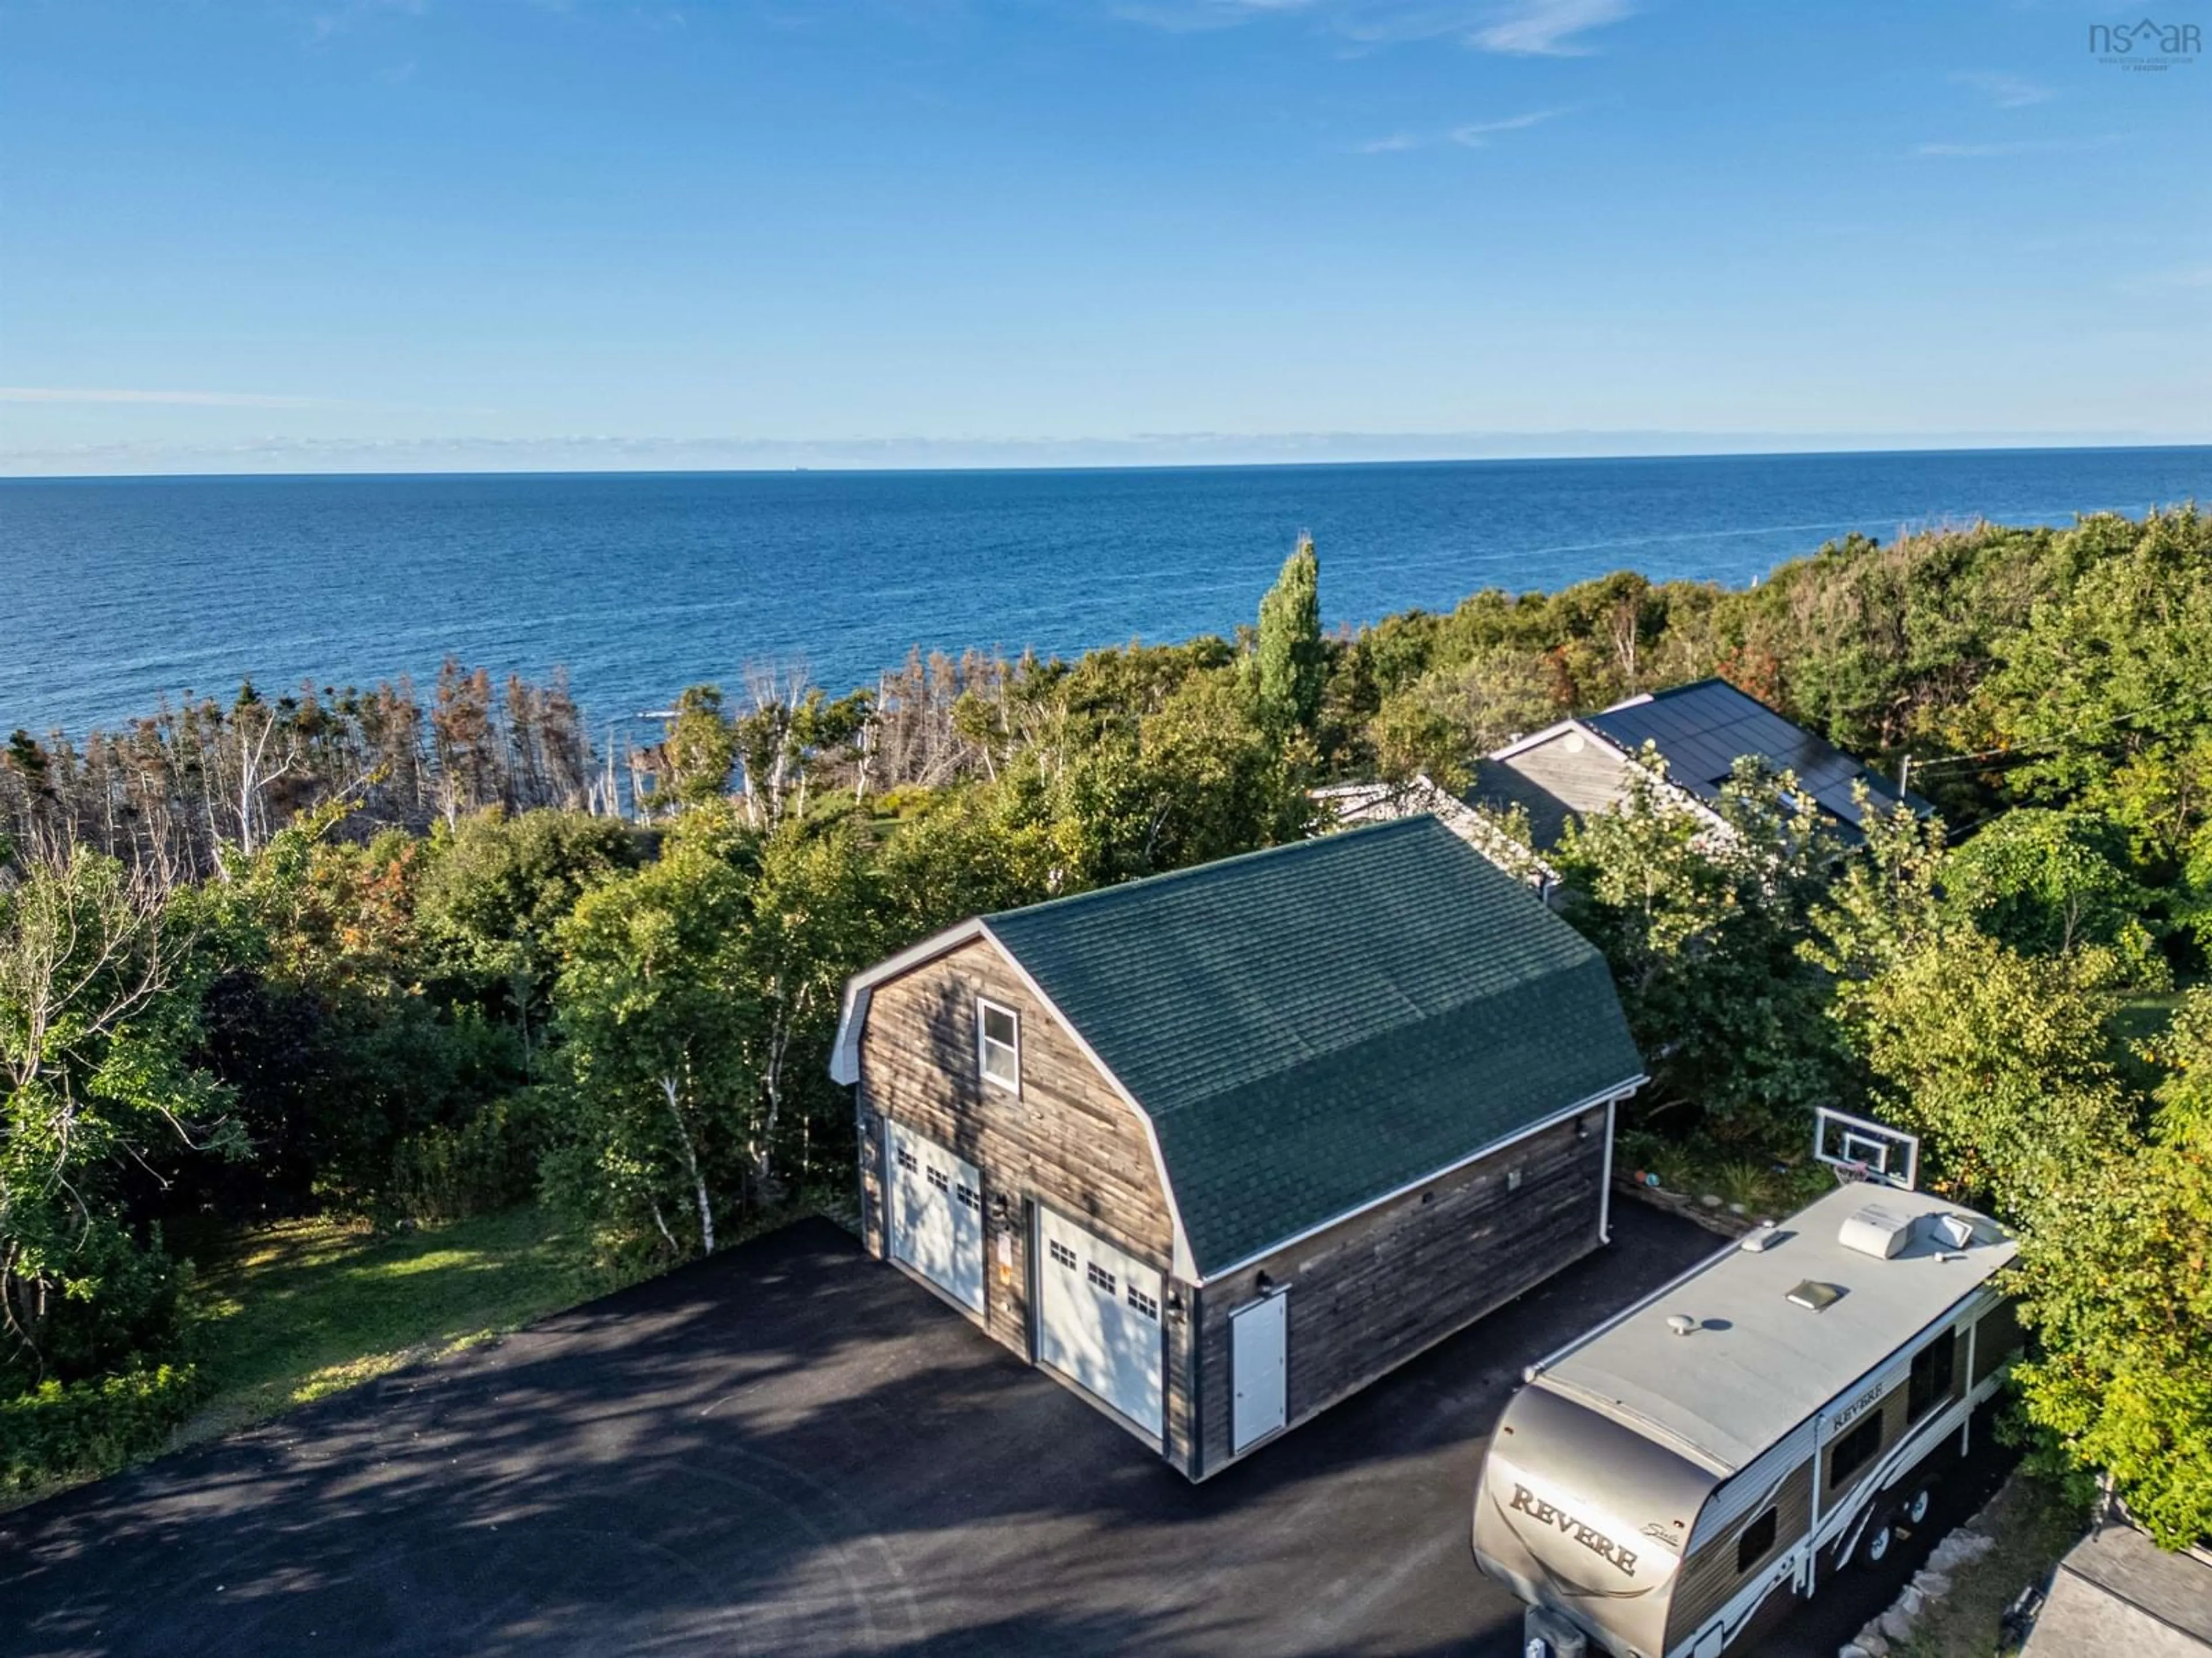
(1099, 1318)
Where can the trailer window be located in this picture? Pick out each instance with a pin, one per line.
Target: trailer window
(1853, 1451)
(1932, 1370)
(1756, 1543)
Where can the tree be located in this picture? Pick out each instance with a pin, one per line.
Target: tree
(1702, 925)
(652, 1038)
(2116, 1284)
(695, 1002)
(2048, 882)
(1290, 666)
(2000, 1059)
(815, 920)
(700, 747)
(100, 984)
(497, 889)
(2107, 691)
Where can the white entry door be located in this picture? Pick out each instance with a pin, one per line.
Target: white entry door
(1099, 1318)
(936, 1213)
(1259, 1370)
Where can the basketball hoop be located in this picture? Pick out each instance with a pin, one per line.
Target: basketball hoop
(1860, 1150)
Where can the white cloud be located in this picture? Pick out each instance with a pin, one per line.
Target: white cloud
(2022, 146)
(2006, 91)
(1547, 28)
(1475, 134)
(1472, 135)
(1522, 28)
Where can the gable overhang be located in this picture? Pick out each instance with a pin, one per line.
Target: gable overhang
(853, 1018)
(1606, 1097)
(853, 1015)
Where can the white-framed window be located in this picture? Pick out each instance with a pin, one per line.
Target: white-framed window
(998, 1044)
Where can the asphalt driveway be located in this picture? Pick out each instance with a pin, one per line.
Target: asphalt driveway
(792, 1450)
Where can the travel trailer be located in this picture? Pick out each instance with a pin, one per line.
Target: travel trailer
(1674, 1481)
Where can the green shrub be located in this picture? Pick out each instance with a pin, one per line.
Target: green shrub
(113, 1301)
(487, 1163)
(61, 1430)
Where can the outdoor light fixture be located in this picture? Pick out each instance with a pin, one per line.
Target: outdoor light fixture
(1263, 1284)
(1175, 1303)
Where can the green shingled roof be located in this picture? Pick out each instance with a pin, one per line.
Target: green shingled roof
(1313, 1027)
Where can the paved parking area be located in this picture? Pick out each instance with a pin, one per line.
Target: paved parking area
(790, 1449)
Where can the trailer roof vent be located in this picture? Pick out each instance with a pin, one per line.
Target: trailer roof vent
(1816, 1295)
(1876, 1231)
(1681, 1323)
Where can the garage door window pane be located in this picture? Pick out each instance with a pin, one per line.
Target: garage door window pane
(1000, 1039)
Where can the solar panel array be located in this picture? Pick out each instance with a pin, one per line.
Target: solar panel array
(1700, 731)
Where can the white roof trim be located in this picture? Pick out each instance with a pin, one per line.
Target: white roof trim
(1616, 1092)
(1537, 739)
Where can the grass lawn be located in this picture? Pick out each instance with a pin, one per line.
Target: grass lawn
(296, 1311)
(2034, 1522)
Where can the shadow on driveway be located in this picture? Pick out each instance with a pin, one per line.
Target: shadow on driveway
(792, 1450)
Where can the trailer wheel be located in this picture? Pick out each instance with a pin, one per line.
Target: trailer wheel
(1917, 1510)
(1877, 1543)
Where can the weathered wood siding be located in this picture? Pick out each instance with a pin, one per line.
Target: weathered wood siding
(1587, 774)
(1069, 1140)
(1369, 1294)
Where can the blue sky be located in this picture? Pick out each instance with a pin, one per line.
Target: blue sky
(313, 235)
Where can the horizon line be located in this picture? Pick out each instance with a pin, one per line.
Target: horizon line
(1839, 445)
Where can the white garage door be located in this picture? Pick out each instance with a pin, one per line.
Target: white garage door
(1099, 1318)
(936, 1213)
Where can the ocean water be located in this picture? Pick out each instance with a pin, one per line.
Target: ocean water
(118, 591)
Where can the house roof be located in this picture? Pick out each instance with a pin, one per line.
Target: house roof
(1313, 1028)
(1700, 729)
(2117, 1591)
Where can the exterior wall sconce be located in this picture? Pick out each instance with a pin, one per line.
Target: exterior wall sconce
(1263, 1284)
(1175, 1305)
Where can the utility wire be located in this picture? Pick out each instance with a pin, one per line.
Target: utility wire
(2036, 750)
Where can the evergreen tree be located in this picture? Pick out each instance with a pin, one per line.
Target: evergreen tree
(1289, 667)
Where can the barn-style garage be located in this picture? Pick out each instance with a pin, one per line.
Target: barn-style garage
(1220, 1147)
